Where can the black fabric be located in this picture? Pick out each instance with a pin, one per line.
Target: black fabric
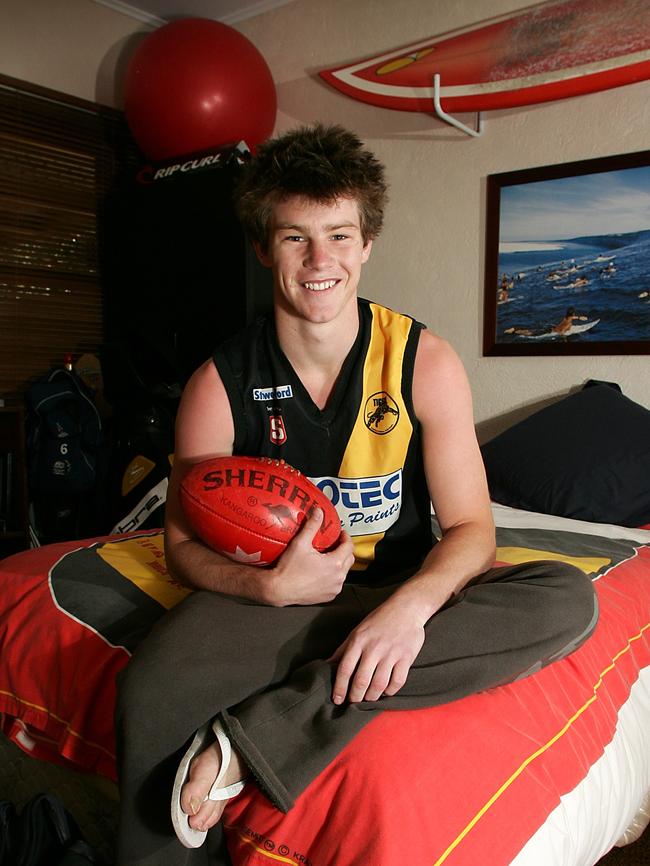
(65, 458)
(64, 434)
(48, 835)
(77, 854)
(330, 444)
(585, 457)
(8, 829)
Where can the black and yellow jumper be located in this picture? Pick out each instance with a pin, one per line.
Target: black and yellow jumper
(363, 449)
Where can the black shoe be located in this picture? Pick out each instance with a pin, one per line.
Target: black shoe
(8, 831)
(78, 853)
(48, 834)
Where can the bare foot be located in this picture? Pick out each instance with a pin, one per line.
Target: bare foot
(205, 813)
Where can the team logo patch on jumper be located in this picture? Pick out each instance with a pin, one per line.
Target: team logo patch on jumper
(381, 413)
(281, 392)
(365, 505)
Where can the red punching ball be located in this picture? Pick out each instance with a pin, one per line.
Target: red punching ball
(196, 84)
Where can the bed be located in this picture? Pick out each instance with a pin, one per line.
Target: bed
(553, 769)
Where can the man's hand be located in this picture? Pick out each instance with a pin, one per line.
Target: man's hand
(376, 657)
(302, 575)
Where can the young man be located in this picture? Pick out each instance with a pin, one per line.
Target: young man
(286, 664)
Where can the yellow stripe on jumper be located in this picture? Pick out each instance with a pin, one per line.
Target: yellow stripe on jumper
(369, 453)
(517, 555)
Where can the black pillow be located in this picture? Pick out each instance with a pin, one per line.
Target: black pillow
(586, 457)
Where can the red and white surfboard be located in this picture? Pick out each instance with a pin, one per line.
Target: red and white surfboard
(548, 51)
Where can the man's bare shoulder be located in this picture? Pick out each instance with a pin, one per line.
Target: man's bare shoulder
(204, 381)
(437, 367)
(204, 426)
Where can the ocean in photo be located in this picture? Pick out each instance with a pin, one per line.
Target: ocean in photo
(605, 278)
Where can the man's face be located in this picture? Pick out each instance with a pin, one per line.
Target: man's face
(316, 252)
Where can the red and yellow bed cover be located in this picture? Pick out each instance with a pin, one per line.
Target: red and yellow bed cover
(550, 769)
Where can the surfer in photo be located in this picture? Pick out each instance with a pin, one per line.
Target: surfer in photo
(562, 327)
(606, 272)
(576, 284)
(504, 289)
(567, 322)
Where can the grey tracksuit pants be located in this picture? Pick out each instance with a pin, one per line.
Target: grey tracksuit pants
(264, 670)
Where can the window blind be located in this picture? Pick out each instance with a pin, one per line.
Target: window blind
(60, 158)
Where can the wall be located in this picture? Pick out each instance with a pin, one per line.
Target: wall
(74, 46)
(429, 260)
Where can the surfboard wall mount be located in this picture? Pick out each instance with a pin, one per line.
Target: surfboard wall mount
(442, 114)
(555, 49)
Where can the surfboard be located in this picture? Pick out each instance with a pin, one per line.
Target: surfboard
(548, 51)
(574, 329)
(578, 284)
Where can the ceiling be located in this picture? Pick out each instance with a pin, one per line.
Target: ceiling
(157, 12)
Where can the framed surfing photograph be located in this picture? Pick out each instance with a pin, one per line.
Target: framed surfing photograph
(567, 269)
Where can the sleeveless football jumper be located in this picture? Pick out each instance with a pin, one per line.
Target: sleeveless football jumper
(363, 450)
(265, 670)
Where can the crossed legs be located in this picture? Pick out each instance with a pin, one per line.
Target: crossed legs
(264, 672)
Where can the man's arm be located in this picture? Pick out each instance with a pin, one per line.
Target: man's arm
(378, 654)
(302, 575)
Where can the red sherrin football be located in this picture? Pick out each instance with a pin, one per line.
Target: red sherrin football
(249, 508)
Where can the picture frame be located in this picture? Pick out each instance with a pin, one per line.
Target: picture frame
(567, 259)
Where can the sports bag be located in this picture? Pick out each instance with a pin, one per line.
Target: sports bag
(64, 434)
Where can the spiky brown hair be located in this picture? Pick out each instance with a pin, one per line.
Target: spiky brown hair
(318, 162)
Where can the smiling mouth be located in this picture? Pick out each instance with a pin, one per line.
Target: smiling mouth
(319, 285)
